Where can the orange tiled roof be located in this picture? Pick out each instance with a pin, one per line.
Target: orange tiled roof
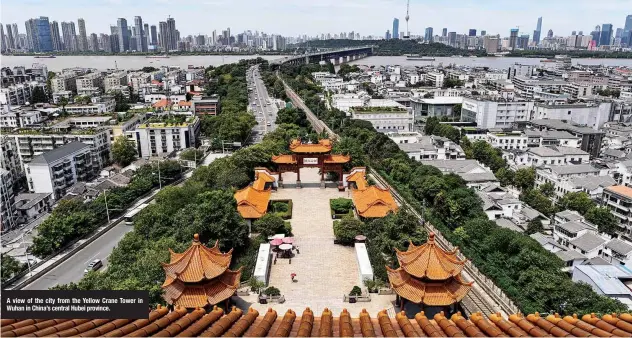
(284, 159)
(214, 292)
(441, 293)
(323, 146)
(373, 202)
(185, 103)
(430, 261)
(337, 159)
(621, 190)
(359, 179)
(197, 263)
(262, 179)
(236, 323)
(162, 103)
(251, 202)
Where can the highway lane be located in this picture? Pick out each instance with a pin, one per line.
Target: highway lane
(261, 105)
(71, 270)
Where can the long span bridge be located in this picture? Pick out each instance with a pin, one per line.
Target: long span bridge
(336, 56)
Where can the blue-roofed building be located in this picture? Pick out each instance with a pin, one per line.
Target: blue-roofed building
(614, 281)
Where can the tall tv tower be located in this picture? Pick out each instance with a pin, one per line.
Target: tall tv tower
(407, 35)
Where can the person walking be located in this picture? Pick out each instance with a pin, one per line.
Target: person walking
(293, 275)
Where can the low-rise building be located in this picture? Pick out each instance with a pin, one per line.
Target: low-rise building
(346, 101)
(114, 80)
(618, 199)
(572, 178)
(64, 82)
(592, 115)
(607, 280)
(528, 87)
(98, 105)
(19, 94)
(431, 148)
(66, 94)
(590, 138)
(507, 140)
(494, 112)
(436, 78)
(552, 155)
(543, 138)
(435, 107)
(30, 206)
(385, 119)
(205, 105)
(18, 118)
(159, 137)
(54, 171)
(474, 174)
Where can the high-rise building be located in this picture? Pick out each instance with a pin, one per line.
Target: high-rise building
(471, 32)
(16, 36)
(172, 35)
(94, 42)
(387, 36)
(395, 28)
(123, 34)
(54, 31)
(452, 39)
(9, 42)
(491, 44)
(574, 33)
(163, 36)
(43, 34)
(154, 36)
(3, 40)
(83, 35)
(513, 38)
(444, 32)
(69, 36)
(626, 37)
(606, 35)
(483, 33)
(537, 31)
(147, 35)
(31, 35)
(141, 43)
(115, 46)
(428, 36)
(550, 33)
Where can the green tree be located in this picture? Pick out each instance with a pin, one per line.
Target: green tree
(38, 95)
(123, 151)
(534, 225)
(10, 267)
(605, 221)
(538, 201)
(578, 201)
(192, 154)
(548, 189)
(63, 102)
(505, 176)
(456, 109)
(524, 178)
(269, 225)
(341, 205)
(121, 103)
(347, 229)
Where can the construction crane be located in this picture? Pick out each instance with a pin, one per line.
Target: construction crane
(407, 35)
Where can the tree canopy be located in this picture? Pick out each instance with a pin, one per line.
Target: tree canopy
(123, 151)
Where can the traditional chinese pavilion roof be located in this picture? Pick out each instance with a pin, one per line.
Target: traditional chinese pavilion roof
(284, 159)
(261, 180)
(252, 202)
(430, 261)
(359, 179)
(440, 293)
(323, 146)
(251, 323)
(373, 201)
(337, 159)
(199, 276)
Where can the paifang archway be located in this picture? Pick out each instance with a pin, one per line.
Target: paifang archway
(311, 155)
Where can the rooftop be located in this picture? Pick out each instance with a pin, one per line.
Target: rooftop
(574, 226)
(607, 278)
(574, 169)
(621, 190)
(588, 242)
(619, 246)
(59, 153)
(562, 125)
(569, 255)
(378, 109)
(550, 151)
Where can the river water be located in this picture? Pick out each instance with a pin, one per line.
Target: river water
(138, 62)
(125, 62)
(491, 62)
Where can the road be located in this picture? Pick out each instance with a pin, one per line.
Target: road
(71, 270)
(261, 105)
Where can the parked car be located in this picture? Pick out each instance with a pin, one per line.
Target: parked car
(93, 266)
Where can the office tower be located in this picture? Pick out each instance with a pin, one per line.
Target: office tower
(444, 32)
(471, 32)
(214, 41)
(43, 34)
(626, 36)
(83, 35)
(3, 40)
(491, 44)
(16, 36)
(452, 39)
(619, 33)
(123, 34)
(147, 36)
(387, 36)
(523, 41)
(537, 31)
(228, 30)
(115, 46)
(351, 35)
(172, 38)
(428, 36)
(574, 33)
(550, 33)
(395, 28)
(483, 33)
(154, 36)
(68, 35)
(105, 43)
(94, 43)
(606, 34)
(513, 38)
(54, 31)
(9, 42)
(163, 35)
(141, 43)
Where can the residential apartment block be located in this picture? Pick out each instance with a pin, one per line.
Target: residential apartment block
(493, 112)
(618, 199)
(162, 138)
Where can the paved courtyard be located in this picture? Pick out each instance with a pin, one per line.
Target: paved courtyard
(325, 271)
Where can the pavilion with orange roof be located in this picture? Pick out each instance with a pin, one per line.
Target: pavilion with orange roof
(370, 201)
(429, 276)
(199, 277)
(253, 200)
(311, 155)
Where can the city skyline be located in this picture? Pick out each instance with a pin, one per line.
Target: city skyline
(365, 17)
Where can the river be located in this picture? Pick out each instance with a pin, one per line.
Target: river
(491, 62)
(125, 62)
(138, 62)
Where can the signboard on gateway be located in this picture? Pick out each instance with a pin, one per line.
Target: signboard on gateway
(310, 160)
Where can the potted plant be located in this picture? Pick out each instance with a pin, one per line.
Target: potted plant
(355, 292)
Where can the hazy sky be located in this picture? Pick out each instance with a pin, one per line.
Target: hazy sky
(293, 17)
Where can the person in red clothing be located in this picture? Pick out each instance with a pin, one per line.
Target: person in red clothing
(293, 275)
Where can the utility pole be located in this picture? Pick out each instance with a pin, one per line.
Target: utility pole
(107, 211)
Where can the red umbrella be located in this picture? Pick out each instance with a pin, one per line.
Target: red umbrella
(288, 240)
(276, 241)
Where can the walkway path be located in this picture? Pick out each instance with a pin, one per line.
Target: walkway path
(325, 271)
